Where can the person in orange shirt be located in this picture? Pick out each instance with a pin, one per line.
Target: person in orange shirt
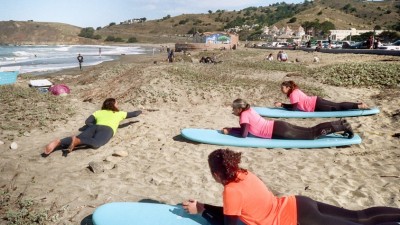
(247, 200)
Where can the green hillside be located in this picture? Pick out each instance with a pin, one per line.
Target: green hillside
(328, 14)
(343, 14)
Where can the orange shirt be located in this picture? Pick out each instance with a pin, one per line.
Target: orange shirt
(251, 200)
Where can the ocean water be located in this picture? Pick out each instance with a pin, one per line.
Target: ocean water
(40, 59)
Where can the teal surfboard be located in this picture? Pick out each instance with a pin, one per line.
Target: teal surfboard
(137, 213)
(284, 113)
(215, 137)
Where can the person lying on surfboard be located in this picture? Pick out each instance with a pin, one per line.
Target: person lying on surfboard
(252, 123)
(100, 127)
(246, 199)
(302, 102)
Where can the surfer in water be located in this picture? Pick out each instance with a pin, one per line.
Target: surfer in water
(246, 199)
(252, 123)
(300, 101)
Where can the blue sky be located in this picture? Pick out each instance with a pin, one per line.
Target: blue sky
(99, 13)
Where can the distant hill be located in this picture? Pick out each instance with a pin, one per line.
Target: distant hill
(347, 14)
(24, 32)
(342, 14)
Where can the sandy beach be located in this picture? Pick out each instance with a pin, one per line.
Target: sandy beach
(148, 160)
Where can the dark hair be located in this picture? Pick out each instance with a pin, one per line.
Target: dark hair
(109, 104)
(240, 104)
(290, 84)
(225, 163)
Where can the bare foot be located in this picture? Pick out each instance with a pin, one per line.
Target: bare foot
(75, 141)
(362, 105)
(53, 145)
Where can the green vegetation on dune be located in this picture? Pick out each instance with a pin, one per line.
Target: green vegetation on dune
(19, 210)
(31, 109)
(376, 74)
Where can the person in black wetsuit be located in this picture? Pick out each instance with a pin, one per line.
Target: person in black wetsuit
(247, 200)
(80, 60)
(100, 127)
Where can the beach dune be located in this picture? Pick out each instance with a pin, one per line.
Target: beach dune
(157, 164)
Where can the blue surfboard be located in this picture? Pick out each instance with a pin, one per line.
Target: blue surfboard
(137, 213)
(284, 113)
(216, 137)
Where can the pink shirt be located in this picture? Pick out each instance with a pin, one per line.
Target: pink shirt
(304, 103)
(258, 126)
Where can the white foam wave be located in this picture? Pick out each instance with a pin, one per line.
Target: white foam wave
(23, 53)
(62, 49)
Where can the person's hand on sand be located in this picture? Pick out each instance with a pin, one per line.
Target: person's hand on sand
(146, 111)
(226, 130)
(278, 104)
(193, 207)
(362, 105)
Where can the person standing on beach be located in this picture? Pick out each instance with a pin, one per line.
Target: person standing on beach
(80, 60)
(370, 42)
(100, 127)
(246, 199)
(171, 56)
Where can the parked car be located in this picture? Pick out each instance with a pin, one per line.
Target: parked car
(347, 44)
(359, 45)
(324, 43)
(394, 46)
(281, 44)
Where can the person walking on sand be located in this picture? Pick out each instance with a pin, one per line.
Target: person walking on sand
(300, 101)
(252, 123)
(100, 127)
(80, 60)
(171, 56)
(246, 199)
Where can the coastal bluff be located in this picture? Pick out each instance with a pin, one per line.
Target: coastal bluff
(34, 33)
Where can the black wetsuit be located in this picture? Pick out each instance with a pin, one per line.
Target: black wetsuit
(310, 212)
(284, 130)
(80, 60)
(323, 105)
(94, 135)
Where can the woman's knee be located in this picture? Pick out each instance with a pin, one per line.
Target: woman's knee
(97, 145)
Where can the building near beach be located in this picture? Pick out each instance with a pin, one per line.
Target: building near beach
(342, 34)
(210, 40)
(299, 33)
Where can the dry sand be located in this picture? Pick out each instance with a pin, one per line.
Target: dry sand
(162, 166)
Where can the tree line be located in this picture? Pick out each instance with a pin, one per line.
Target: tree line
(89, 32)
